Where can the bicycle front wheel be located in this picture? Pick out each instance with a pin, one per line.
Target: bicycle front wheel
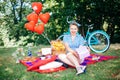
(99, 41)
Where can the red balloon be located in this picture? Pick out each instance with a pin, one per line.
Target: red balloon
(30, 26)
(39, 28)
(44, 17)
(37, 7)
(32, 17)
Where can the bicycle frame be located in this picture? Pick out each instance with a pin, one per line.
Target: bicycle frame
(88, 33)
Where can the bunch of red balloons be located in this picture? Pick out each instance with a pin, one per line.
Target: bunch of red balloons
(34, 25)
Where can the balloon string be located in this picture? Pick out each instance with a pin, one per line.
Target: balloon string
(45, 36)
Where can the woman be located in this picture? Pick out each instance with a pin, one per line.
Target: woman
(72, 42)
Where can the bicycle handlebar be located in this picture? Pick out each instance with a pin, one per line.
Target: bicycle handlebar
(89, 25)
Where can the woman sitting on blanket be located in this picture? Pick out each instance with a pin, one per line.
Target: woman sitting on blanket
(72, 42)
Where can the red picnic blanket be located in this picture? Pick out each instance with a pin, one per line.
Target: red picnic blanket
(34, 66)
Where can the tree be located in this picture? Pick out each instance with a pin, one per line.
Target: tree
(99, 12)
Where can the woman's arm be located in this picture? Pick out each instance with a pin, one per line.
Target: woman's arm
(69, 49)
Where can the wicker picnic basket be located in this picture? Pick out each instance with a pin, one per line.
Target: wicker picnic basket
(58, 47)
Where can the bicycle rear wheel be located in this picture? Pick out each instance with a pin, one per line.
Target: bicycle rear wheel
(99, 41)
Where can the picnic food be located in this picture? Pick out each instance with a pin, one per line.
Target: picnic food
(29, 59)
(58, 47)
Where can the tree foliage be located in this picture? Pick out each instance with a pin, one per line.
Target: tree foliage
(103, 13)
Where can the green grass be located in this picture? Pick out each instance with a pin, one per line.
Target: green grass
(106, 70)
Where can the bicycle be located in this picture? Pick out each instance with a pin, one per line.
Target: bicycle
(98, 40)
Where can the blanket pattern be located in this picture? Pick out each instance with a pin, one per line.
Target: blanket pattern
(92, 59)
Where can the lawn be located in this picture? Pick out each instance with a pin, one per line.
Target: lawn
(106, 70)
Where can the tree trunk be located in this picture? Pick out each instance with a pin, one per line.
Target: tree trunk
(110, 31)
(20, 12)
(13, 11)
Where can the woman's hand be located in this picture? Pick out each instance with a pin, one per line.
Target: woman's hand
(88, 48)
